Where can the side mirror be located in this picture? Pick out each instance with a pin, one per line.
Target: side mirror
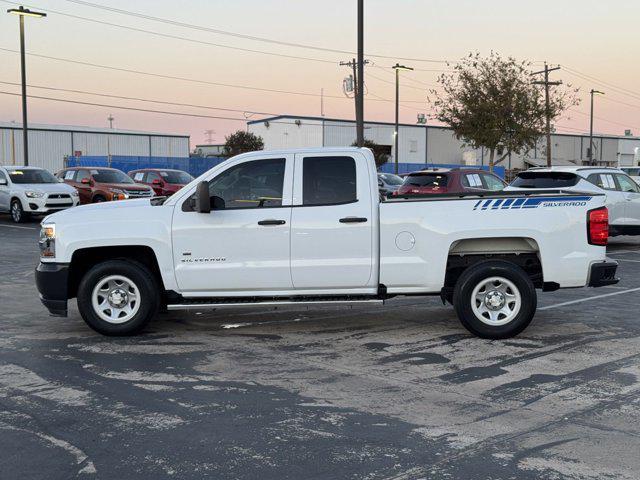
(85, 180)
(203, 202)
(3, 181)
(157, 181)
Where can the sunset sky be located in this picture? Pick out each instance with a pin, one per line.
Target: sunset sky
(596, 43)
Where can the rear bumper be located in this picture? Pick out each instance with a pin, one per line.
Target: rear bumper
(52, 283)
(602, 274)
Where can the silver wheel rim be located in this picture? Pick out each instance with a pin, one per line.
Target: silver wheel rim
(15, 212)
(115, 299)
(496, 301)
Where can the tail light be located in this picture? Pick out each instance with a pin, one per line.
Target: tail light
(598, 226)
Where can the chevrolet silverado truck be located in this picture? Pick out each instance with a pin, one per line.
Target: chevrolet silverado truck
(307, 227)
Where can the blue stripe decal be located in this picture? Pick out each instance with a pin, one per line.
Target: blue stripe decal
(532, 202)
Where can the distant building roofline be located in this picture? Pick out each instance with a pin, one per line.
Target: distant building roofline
(441, 127)
(85, 129)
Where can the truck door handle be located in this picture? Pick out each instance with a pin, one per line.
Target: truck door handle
(353, 220)
(271, 222)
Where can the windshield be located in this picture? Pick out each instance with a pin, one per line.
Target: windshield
(391, 179)
(110, 176)
(32, 175)
(174, 176)
(545, 180)
(426, 180)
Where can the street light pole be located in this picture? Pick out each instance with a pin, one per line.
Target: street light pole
(397, 67)
(592, 92)
(23, 12)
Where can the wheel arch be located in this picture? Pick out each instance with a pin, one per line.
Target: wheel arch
(521, 251)
(85, 258)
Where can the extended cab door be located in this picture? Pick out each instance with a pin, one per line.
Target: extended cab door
(333, 222)
(242, 247)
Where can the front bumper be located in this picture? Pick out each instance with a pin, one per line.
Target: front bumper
(603, 273)
(52, 283)
(46, 205)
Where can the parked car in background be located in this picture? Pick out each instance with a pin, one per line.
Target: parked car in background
(388, 183)
(100, 184)
(633, 172)
(164, 182)
(27, 191)
(450, 180)
(622, 193)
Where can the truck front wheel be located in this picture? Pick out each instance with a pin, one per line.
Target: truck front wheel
(118, 297)
(495, 299)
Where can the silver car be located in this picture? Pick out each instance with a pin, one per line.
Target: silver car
(27, 191)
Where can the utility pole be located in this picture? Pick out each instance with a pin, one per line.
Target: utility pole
(397, 67)
(24, 12)
(356, 86)
(360, 78)
(111, 119)
(547, 84)
(590, 151)
(209, 134)
(322, 102)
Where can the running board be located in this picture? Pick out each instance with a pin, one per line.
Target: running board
(269, 303)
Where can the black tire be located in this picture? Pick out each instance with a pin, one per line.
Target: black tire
(148, 293)
(99, 199)
(479, 274)
(18, 215)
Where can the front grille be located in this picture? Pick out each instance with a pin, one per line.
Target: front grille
(138, 193)
(59, 195)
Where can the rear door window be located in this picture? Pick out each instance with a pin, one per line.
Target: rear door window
(603, 180)
(328, 180)
(472, 180)
(546, 180)
(69, 175)
(138, 177)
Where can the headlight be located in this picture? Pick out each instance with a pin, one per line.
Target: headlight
(75, 193)
(47, 242)
(34, 194)
(118, 194)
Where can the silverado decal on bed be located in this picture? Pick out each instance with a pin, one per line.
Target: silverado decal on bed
(518, 203)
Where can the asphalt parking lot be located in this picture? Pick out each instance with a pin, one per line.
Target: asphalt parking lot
(400, 391)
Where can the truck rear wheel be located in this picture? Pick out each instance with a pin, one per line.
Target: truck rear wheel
(495, 299)
(118, 297)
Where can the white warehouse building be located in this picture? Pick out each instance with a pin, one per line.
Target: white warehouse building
(435, 144)
(50, 144)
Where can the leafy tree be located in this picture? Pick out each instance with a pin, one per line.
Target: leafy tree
(241, 142)
(379, 152)
(492, 103)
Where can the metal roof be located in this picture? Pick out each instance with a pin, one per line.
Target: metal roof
(84, 129)
(441, 127)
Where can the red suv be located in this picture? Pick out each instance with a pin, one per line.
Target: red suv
(98, 184)
(164, 182)
(450, 180)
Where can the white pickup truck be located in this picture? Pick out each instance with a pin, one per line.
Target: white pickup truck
(307, 227)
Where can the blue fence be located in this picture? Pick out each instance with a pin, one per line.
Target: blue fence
(196, 166)
(413, 167)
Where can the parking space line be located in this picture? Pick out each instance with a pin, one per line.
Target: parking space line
(627, 260)
(622, 252)
(16, 226)
(595, 297)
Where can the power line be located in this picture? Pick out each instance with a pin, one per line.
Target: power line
(84, 92)
(240, 35)
(584, 76)
(192, 80)
(92, 104)
(186, 39)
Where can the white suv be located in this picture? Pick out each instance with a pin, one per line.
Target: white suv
(26, 191)
(622, 193)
